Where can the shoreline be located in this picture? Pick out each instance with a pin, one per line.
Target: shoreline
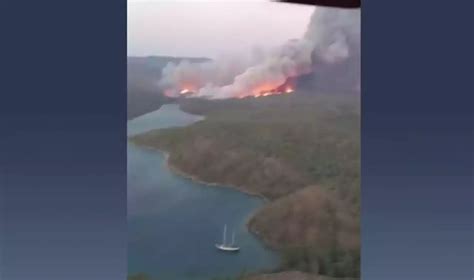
(254, 222)
(196, 179)
(175, 170)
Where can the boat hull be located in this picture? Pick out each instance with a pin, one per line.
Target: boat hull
(227, 248)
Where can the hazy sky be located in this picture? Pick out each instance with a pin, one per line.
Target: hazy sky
(211, 28)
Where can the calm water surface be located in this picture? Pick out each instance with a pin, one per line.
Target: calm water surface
(173, 222)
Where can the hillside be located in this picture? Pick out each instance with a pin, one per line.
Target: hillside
(143, 94)
(301, 152)
(143, 73)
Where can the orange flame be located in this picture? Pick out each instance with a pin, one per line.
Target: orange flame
(187, 87)
(261, 90)
(184, 91)
(272, 89)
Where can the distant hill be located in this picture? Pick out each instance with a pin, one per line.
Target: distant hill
(143, 73)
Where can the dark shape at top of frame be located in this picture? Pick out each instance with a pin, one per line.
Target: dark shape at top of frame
(353, 4)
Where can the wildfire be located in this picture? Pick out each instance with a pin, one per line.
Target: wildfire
(184, 91)
(277, 91)
(262, 90)
(269, 89)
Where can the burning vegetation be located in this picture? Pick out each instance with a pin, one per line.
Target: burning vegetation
(261, 91)
(286, 88)
(332, 37)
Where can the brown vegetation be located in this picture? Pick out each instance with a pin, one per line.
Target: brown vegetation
(316, 231)
(302, 153)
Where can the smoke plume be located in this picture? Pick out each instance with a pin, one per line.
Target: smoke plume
(332, 37)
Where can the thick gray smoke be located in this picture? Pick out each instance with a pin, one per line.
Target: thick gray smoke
(333, 35)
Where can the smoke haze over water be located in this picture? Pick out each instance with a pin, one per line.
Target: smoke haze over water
(332, 37)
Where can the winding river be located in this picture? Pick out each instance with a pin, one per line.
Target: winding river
(174, 222)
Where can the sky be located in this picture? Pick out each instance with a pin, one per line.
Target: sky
(201, 28)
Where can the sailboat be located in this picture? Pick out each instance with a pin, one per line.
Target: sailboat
(227, 247)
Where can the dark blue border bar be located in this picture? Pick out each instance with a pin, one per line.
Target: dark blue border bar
(63, 145)
(417, 135)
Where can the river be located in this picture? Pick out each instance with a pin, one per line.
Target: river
(174, 222)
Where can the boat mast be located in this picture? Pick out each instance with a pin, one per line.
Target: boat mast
(225, 231)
